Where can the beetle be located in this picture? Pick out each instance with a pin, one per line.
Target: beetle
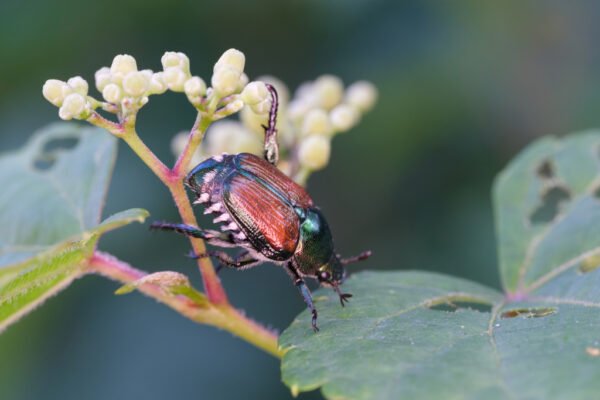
(266, 214)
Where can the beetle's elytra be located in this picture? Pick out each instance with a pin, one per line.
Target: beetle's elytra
(267, 215)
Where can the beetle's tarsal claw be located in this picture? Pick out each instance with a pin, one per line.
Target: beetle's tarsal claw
(344, 298)
(314, 321)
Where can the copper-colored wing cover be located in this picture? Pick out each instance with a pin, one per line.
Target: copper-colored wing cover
(261, 200)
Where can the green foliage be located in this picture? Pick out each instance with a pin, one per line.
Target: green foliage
(419, 335)
(173, 283)
(50, 206)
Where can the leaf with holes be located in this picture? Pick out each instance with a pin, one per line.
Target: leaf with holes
(50, 206)
(419, 335)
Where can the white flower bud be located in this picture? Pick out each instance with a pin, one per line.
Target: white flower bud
(255, 92)
(112, 93)
(179, 142)
(55, 91)
(232, 58)
(123, 64)
(263, 107)
(157, 84)
(329, 91)
(282, 90)
(73, 106)
(102, 78)
(243, 81)
(361, 95)
(79, 85)
(344, 117)
(136, 83)
(297, 109)
(316, 122)
(175, 59)
(225, 80)
(194, 87)
(232, 137)
(174, 78)
(254, 121)
(314, 152)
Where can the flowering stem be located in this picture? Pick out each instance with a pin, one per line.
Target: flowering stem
(212, 284)
(219, 315)
(194, 138)
(147, 156)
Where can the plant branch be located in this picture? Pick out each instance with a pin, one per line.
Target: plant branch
(194, 139)
(221, 316)
(147, 156)
(212, 284)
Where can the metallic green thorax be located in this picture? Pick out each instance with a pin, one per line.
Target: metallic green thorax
(315, 252)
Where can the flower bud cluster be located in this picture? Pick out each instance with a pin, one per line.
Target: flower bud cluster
(305, 125)
(323, 108)
(124, 86)
(71, 97)
(319, 110)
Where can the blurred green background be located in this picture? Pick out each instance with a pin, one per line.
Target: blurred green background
(463, 87)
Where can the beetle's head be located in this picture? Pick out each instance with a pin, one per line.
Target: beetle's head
(333, 273)
(191, 182)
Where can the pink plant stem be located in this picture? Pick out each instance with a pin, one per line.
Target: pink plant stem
(222, 316)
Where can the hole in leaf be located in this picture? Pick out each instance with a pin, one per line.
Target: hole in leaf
(552, 200)
(51, 150)
(452, 306)
(546, 170)
(57, 145)
(529, 312)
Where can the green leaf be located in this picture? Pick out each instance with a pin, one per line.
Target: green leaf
(52, 200)
(50, 194)
(560, 178)
(418, 335)
(171, 283)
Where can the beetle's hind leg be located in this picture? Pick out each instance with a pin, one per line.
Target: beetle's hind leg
(215, 238)
(244, 260)
(305, 292)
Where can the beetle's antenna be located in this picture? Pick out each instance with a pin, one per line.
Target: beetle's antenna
(271, 147)
(361, 257)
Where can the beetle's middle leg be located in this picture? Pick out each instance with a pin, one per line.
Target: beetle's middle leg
(304, 291)
(243, 260)
(215, 238)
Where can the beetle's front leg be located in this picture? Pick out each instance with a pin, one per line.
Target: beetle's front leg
(215, 238)
(305, 292)
(271, 147)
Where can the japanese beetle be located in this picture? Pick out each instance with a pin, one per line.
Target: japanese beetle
(268, 215)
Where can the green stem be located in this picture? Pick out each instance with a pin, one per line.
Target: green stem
(194, 139)
(220, 316)
(147, 156)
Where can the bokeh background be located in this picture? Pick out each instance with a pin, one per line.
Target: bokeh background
(463, 87)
